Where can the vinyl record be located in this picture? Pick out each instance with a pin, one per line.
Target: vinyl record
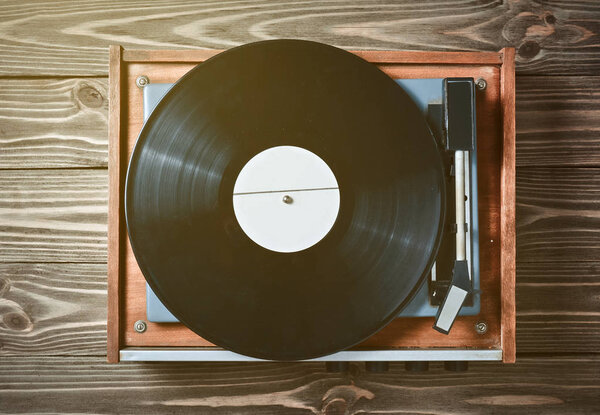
(305, 301)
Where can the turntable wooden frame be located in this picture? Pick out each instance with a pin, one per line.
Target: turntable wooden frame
(496, 161)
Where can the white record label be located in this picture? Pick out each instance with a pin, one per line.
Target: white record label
(286, 199)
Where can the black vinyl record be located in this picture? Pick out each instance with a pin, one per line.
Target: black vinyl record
(210, 274)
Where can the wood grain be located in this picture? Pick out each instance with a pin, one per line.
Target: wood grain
(52, 309)
(507, 206)
(53, 123)
(87, 385)
(558, 121)
(53, 215)
(557, 307)
(63, 38)
(558, 214)
(117, 168)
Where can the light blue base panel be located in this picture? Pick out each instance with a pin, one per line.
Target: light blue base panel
(155, 310)
(153, 93)
(423, 92)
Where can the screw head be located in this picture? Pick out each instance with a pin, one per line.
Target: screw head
(481, 84)
(140, 326)
(288, 200)
(481, 327)
(142, 81)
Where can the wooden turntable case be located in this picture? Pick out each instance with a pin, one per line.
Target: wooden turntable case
(496, 188)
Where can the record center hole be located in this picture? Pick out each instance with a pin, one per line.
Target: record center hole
(303, 182)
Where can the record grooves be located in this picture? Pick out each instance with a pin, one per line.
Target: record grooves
(210, 274)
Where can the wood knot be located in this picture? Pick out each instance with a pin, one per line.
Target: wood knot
(13, 317)
(529, 49)
(90, 97)
(17, 321)
(549, 18)
(335, 407)
(536, 28)
(340, 399)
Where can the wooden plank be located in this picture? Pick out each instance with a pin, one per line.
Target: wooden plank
(82, 385)
(52, 309)
(72, 39)
(50, 125)
(117, 167)
(53, 123)
(557, 307)
(60, 309)
(507, 207)
(53, 215)
(558, 214)
(553, 204)
(558, 121)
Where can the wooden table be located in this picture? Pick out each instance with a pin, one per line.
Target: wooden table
(53, 201)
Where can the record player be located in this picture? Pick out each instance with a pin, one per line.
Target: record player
(316, 244)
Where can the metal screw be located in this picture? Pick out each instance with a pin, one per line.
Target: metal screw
(288, 199)
(481, 327)
(481, 84)
(142, 81)
(140, 326)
